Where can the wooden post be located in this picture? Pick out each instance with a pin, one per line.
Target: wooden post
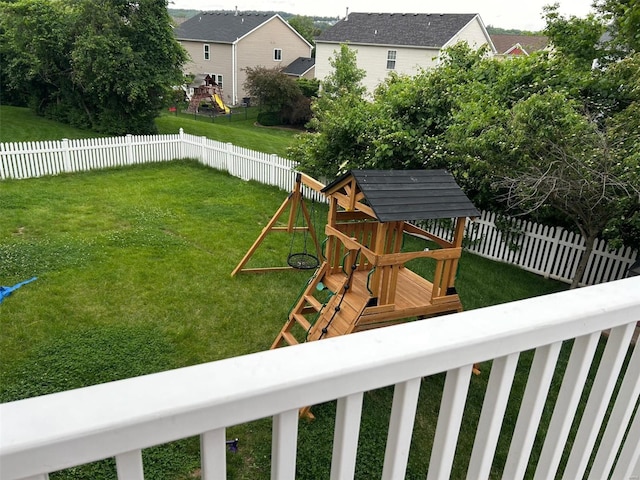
(457, 242)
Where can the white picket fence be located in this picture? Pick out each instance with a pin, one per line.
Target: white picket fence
(549, 251)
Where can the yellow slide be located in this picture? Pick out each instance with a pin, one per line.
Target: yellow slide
(218, 100)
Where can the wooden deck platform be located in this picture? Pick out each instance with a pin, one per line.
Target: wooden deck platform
(413, 299)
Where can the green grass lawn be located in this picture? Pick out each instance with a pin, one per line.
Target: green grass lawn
(18, 124)
(133, 270)
(21, 125)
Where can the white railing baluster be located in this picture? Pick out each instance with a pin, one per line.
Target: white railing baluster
(628, 465)
(598, 401)
(345, 439)
(573, 382)
(403, 412)
(213, 454)
(129, 466)
(452, 404)
(533, 401)
(493, 408)
(619, 419)
(284, 444)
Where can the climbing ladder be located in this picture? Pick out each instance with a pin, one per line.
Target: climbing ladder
(314, 319)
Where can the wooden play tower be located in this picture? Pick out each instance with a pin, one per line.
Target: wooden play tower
(362, 282)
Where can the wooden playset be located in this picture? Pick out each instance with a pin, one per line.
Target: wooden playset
(362, 282)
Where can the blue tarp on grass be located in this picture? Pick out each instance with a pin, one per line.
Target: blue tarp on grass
(6, 291)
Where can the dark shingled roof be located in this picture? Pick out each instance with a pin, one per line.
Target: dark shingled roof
(220, 27)
(410, 29)
(300, 66)
(396, 195)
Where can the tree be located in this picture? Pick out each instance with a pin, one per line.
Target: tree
(623, 17)
(107, 65)
(571, 163)
(279, 94)
(346, 78)
(575, 38)
(305, 27)
(340, 117)
(544, 135)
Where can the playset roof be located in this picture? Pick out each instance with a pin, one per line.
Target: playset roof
(396, 195)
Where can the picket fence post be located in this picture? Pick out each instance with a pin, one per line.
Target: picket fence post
(66, 155)
(228, 158)
(128, 142)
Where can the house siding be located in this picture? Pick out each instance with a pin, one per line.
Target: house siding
(219, 63)
(257, 49)
(473, 34)
(373, 59)
(409, 60)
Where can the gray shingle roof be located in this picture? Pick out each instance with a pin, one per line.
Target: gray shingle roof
(410, 29)
(411, 194)
(300, 66)
(217, 27)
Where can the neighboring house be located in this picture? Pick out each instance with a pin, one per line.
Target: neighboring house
(223, 45)
(397, 42)
(517, 45)
(303, 67)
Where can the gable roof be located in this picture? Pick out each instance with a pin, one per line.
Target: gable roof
(407, 29)
(505, 43)
(221, 27)
(300, 66)
(396, 195)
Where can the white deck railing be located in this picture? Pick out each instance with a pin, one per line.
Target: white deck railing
(119, 419)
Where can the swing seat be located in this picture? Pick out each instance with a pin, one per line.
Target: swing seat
(303, 261)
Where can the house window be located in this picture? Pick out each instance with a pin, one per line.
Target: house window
(277, 54)
(391, 59)
(218, 80)
(206, 51)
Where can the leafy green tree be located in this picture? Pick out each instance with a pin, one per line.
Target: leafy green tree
(575, 38)
(624, 18)
(106, 65)
(346, 78)
(305, 27)
(340, 119)
(279, 94)
(570, 162)
(544, 135)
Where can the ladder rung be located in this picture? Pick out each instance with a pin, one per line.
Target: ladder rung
(313, 301)
(303, 322)
(289, 338)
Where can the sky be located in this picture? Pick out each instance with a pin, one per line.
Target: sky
(524, 15)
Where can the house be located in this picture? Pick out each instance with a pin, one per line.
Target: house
(398, 42)
(223, 44)
(517, 45)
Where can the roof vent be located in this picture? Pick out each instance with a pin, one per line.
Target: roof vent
(236, 14)
(346, 16)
